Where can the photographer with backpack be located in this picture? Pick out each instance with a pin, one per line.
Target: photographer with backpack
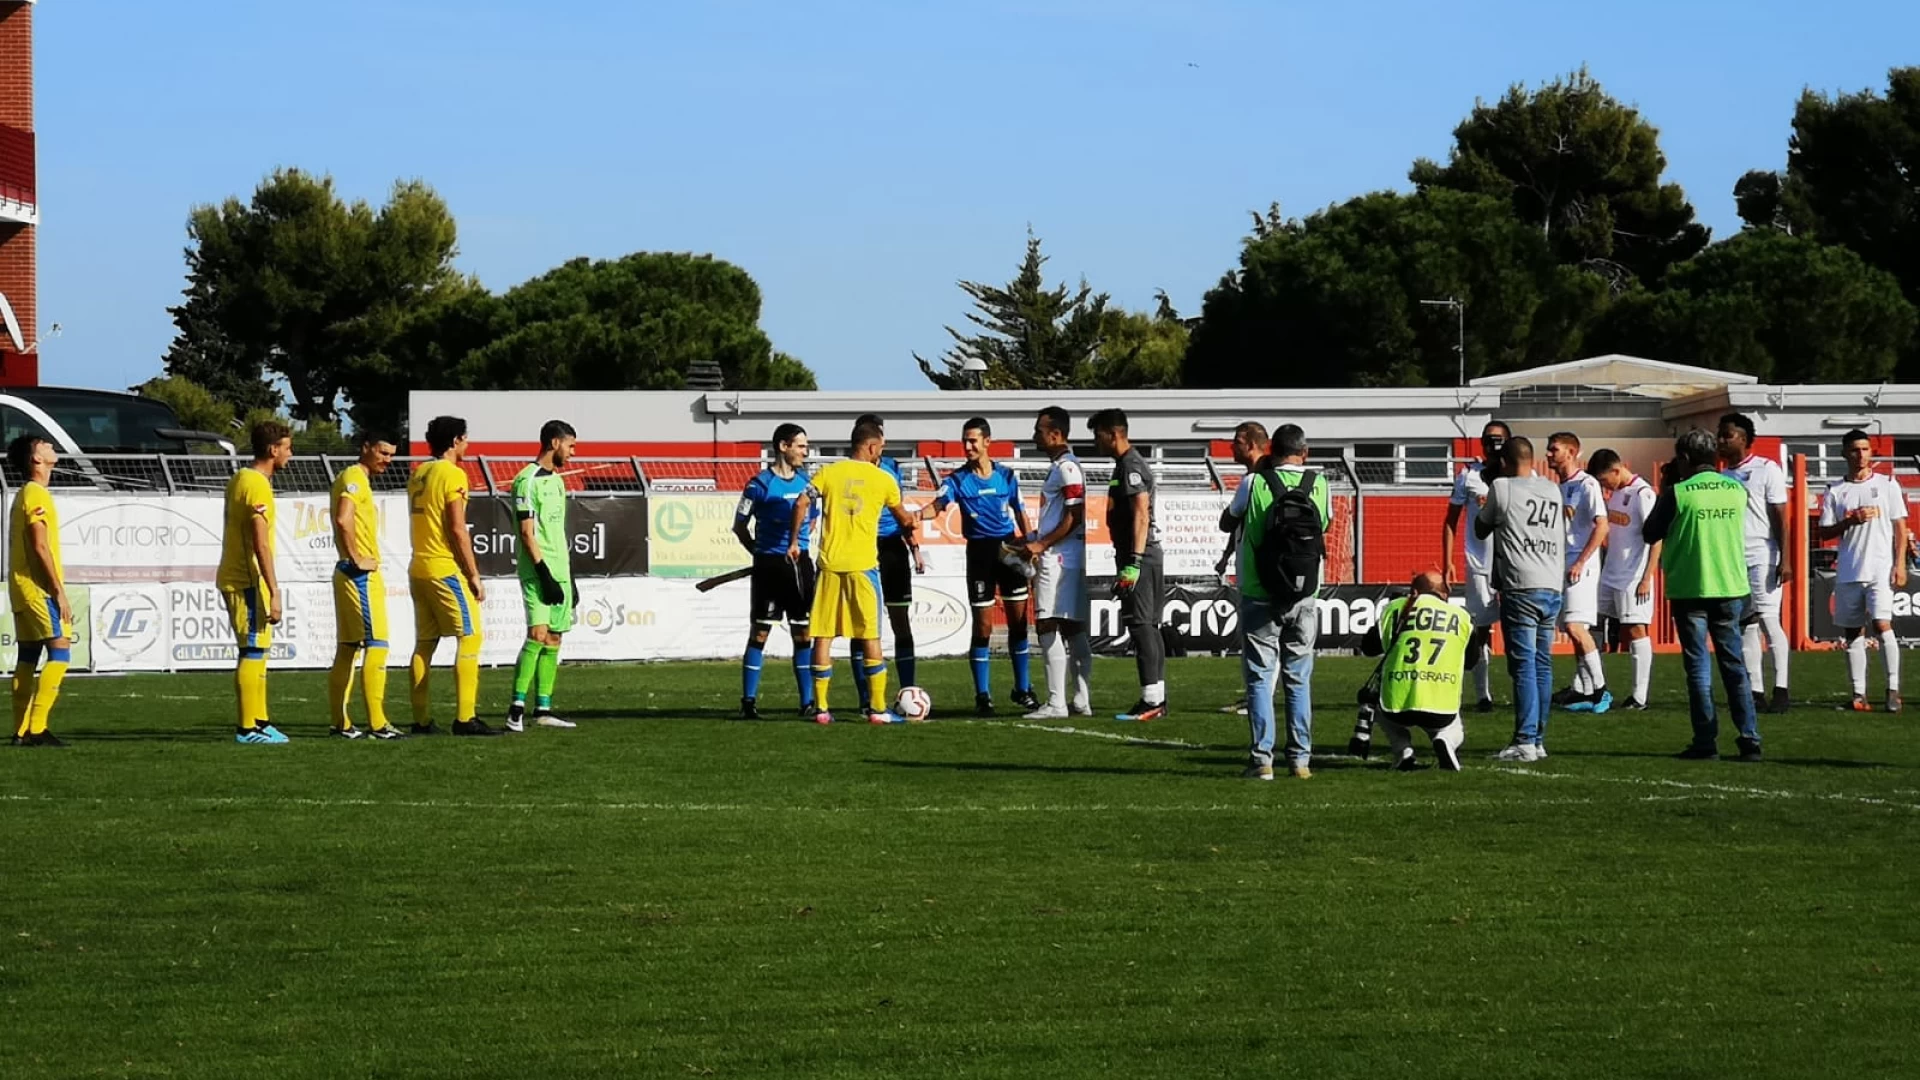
(1282, 510)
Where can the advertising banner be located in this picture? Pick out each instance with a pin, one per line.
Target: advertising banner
(131, 627)
(1190, 536)
(691, 536)
(609, 535)
(80, 633)
(1906, 608)
(1202, 616)
(139, 538)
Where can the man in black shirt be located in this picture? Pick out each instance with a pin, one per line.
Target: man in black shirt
(1139, 584)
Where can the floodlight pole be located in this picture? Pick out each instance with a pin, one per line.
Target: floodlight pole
(1459, 309)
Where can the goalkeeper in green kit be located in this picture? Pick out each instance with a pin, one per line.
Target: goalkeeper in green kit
(546, 576)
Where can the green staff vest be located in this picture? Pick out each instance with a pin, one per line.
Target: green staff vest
(1425, 658)
(1705, 556)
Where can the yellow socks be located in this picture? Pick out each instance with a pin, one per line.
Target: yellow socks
(374, 681)
(420, 672)
(876, 676)
(48, 690)
(26, 679)
(466, 678)
(250, 688)
(340, 683)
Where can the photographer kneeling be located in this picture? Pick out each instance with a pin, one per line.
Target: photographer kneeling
(1425, 641)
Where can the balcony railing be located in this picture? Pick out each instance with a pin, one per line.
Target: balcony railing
(16, 166)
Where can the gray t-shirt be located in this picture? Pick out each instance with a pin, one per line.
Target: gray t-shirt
(1529, 533)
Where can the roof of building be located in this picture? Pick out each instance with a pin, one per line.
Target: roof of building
(1650, 378)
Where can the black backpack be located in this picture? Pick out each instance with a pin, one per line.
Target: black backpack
(1293, 545)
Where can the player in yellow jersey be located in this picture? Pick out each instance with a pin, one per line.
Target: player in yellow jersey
(247, 580)
(38, 589)
(444, 578)
(360, 593)
(851, 496)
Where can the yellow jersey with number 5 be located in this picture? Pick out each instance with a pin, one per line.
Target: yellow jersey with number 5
(851, 496)
(430, 490)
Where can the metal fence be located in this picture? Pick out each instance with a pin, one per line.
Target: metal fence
(199, 474)
(1386, 511)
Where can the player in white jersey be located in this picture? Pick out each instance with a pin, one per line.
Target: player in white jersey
(1062, 607)
(1626, 581)
(1766, 484)
(1586, 507)
(1867, 512)
(1469, 495)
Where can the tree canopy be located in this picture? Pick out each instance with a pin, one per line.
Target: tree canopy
(1852, 179)
(1580, 167)
(1335, 299)
(343, 304)
(300, 285)
(635, 323)
(1780, 307)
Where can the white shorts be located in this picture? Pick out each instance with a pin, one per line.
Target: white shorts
(1060, 591)
(1580, 604)
(1482, 605)
(1856, 603)
(1763, 582)
(1624, 607)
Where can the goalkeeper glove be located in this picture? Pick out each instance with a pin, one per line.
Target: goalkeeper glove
(1129, 577)
(552, 592)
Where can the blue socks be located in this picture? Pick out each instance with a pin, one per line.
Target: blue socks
(1022, 673)
(750, 670)
(981, 660)
(803, 673)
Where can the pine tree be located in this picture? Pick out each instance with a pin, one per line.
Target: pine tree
(1031, 337)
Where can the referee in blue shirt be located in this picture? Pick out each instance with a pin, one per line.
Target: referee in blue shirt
(782, 587)
(991, 517)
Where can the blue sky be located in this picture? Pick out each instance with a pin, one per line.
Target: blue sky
(856, 157)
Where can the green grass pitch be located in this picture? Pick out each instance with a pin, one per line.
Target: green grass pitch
(666, 892)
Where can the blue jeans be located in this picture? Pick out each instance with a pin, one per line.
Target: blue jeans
(1279, 652)
(1526, 621)
(1696, 622)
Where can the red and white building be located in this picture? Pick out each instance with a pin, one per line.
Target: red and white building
(19, 198)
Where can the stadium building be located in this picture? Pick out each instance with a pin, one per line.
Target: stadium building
(1393, 451)
(19, 202)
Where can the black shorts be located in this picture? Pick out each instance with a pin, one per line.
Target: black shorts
(1143, 604)
(896, 571)
(987, 575)
(782, 588)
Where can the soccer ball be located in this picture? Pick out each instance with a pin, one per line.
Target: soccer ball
(913, 705)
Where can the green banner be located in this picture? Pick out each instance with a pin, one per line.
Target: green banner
(691, 536)
(80, 597)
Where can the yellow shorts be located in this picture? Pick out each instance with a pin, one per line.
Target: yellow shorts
(846, 604)
(39, 620)
(443, 607)
(247, 611)
(360, 607)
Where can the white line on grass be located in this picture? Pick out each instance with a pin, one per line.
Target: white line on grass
(1700, 790)
(1114, 736)
(1723, 789)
